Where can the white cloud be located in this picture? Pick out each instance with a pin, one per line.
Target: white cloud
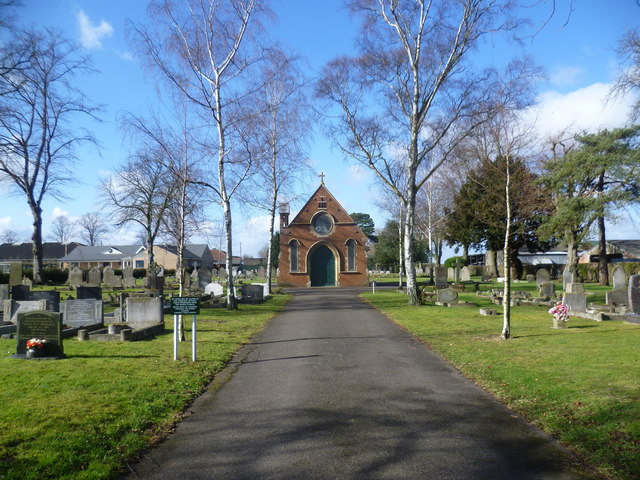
(90, 34)
(253, 235)
(585, 109)
(128, 56)
(565, 76)
(6, 222)
(58, 212)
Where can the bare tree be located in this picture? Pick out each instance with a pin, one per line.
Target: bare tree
(204, 48)
(8, 236)
(139, 193)
(91, 228)
(37, 143)
(409, 98)
(62, 229)
(278, 133)
(629, 78)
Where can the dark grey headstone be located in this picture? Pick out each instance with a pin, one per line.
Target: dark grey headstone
(78, 313)
(253, 293)
(94, 293)
(634, 293)
(52, 297)
(441, 277)
(42, 325)
(204, 277)
(20, 292)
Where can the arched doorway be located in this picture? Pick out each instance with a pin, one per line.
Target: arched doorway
(323, 267)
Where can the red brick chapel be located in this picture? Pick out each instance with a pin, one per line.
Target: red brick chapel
(322, 246)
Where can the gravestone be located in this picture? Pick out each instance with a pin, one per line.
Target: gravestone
(456, 275)
(546, 289)
(222, 273)
(15, 274)
(144, 311)
(128, 279)
(446, 295)
(195, 279)
(107, 275)
(619, 277)
(574, 287)
(159, 271)
(577, 302)
(204, 277)
(253, 293)
(451, 274)
(41, 325)
(13, 307)
(52, 297)
(567, 277)
(79, 313)
(4, 293)
(94, 293)
(441, 277)
(530, 278)
(94, 278)
(214, 289)
(618, 297)
(186, 281)
(115, 281)
(20, 292)
(75, 277)
(542, 276)
(262, 272)
(634, 293)
(465, 274)
(27, 281)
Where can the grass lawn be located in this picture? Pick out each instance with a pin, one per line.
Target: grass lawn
(580, 384)
(85, 416)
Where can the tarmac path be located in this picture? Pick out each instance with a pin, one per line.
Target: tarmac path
(332, 389)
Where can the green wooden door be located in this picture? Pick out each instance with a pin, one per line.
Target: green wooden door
(323, 268)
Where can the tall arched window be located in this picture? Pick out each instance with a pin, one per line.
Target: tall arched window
(293, 255)
(351, 255)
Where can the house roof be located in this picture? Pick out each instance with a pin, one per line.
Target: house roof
(23, 251)
(629, 248)
(195, 251)
(103, 253)
(218, 255)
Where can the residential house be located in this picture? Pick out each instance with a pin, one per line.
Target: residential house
(114, 256)
(617, 251)
(197, 255)
(52, 253)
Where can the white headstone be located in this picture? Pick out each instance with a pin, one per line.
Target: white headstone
(542, 276)
(619, 277)
(214, 289)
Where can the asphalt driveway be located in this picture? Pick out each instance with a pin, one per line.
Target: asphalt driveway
(333, 390)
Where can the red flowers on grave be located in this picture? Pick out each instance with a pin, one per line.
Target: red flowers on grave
(36, 345)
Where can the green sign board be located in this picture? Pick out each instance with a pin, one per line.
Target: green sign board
(185, 305)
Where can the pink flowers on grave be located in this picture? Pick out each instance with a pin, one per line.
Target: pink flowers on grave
(560, 312)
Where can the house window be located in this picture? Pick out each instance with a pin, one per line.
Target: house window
(293, 255)
(351, 255)
(139, 263)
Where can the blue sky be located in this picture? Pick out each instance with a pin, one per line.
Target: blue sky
(575, 48)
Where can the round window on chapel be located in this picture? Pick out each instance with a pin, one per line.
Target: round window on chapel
(323, 224)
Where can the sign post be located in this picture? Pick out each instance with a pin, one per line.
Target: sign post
(184, 306)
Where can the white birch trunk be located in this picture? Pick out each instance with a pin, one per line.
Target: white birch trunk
(506, 302)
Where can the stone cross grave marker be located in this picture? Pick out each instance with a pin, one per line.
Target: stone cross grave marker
(542, 276)
(619, 277)
(75, 277)
(15, 274)
(83, 312)
(41, 325)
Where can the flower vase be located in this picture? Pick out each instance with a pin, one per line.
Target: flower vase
(31, 353)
